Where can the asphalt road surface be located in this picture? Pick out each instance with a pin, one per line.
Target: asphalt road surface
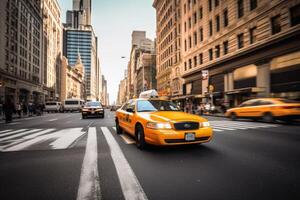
(61, 156)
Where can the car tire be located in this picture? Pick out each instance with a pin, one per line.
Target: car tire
(233, 116)
(268, 117)
(140, 137)
(83, 117)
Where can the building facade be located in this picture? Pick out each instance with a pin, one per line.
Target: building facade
(232, 50)
(21, 72)
(83, 41)
(72, 80)
(168, 47)
(52, 48)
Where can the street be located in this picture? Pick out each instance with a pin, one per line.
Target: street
(61, 156)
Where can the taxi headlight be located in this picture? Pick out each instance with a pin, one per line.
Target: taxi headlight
(159, 125)
(84, 110)
(205, 124)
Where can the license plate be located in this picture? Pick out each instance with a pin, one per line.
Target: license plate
(190, 136)
(93, 112)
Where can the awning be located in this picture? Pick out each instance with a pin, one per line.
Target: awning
(246, 90)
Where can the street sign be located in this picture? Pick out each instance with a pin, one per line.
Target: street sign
(204, 74)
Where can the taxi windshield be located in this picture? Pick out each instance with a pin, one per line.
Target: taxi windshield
(93, 104)
(155, 105)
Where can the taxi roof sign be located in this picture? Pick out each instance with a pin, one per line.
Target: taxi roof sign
(149, 94)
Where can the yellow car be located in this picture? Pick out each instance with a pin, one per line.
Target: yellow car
(267, 109)
(160, 122)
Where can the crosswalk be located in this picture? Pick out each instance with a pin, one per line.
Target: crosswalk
(226, 125)
(51, 138)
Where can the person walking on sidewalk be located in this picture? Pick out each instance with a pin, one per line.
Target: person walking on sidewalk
(9, 109)
(19, 109)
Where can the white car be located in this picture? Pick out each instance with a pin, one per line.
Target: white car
(72, 105)
(52, 106)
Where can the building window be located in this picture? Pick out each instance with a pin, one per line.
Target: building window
(195, 17)
(225, 47)
(225, 17)
(185, 45)
(195, 38)
(210, 52)
(217, 3)
(195, 61)
(184, 10)
(190, 22)
(209, 5)
(252, 35)
(217, 23)
(253, 4)
(295, 15)
(240, 39)
(275, 22)
(218, 51)
(210, 28)
(185, 67)
(184, 26)
(200, 13)
(190, 42)
(240, 8)
(200, 58)
(201, 34)
(190, 4)
(190, 63)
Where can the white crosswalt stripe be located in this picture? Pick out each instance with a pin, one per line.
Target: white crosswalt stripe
(4, 131)
(19, 135)
(66, 138)
(13, 132)
(129, 183)
(89, 187)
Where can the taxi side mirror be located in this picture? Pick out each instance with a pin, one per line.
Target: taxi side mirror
(130, 110)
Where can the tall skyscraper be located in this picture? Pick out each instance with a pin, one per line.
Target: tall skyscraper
(86, 7)
(80, 39)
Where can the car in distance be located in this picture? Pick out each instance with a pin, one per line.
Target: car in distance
(72, 105)
(267, 109)
(52, 106)
(160, 122)
(92, 108)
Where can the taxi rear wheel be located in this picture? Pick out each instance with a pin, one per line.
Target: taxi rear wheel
(140, 137)
(233, 116)
(268, 117)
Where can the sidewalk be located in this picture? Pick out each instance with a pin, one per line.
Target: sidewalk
(16, 117)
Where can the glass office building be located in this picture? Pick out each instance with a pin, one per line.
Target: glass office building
(83, 42)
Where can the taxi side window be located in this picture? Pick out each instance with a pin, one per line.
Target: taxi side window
(125, 106)
(264, 103)
(132, 106)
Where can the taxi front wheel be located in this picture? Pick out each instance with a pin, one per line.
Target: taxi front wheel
(118, 127)
(140, 137)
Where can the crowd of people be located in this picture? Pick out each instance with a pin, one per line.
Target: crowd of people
(8, 109)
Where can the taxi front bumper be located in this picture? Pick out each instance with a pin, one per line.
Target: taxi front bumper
(175, 137)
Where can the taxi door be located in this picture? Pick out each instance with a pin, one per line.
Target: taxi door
(130, 117)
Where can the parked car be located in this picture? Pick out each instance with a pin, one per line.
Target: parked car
(92, 108)
(267, 109)
(52, 106)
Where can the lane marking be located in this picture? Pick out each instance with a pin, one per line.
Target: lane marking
(19, 142)
(217, 130)
(20, 135)
(51, 120)
(13, 132)
(67, 137)
(129, 183)
(13, 123)
(89, 187)
(4, 131)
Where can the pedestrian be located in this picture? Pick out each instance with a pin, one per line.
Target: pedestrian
(24, 108)
(9, 109)
(30, 108)
(19, 109)
(1, 110)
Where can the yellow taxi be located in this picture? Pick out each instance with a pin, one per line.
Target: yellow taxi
(267, 109)
(160, 122)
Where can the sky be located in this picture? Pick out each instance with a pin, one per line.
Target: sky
(113, 22)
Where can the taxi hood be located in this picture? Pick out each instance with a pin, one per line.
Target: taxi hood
(173, 116)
